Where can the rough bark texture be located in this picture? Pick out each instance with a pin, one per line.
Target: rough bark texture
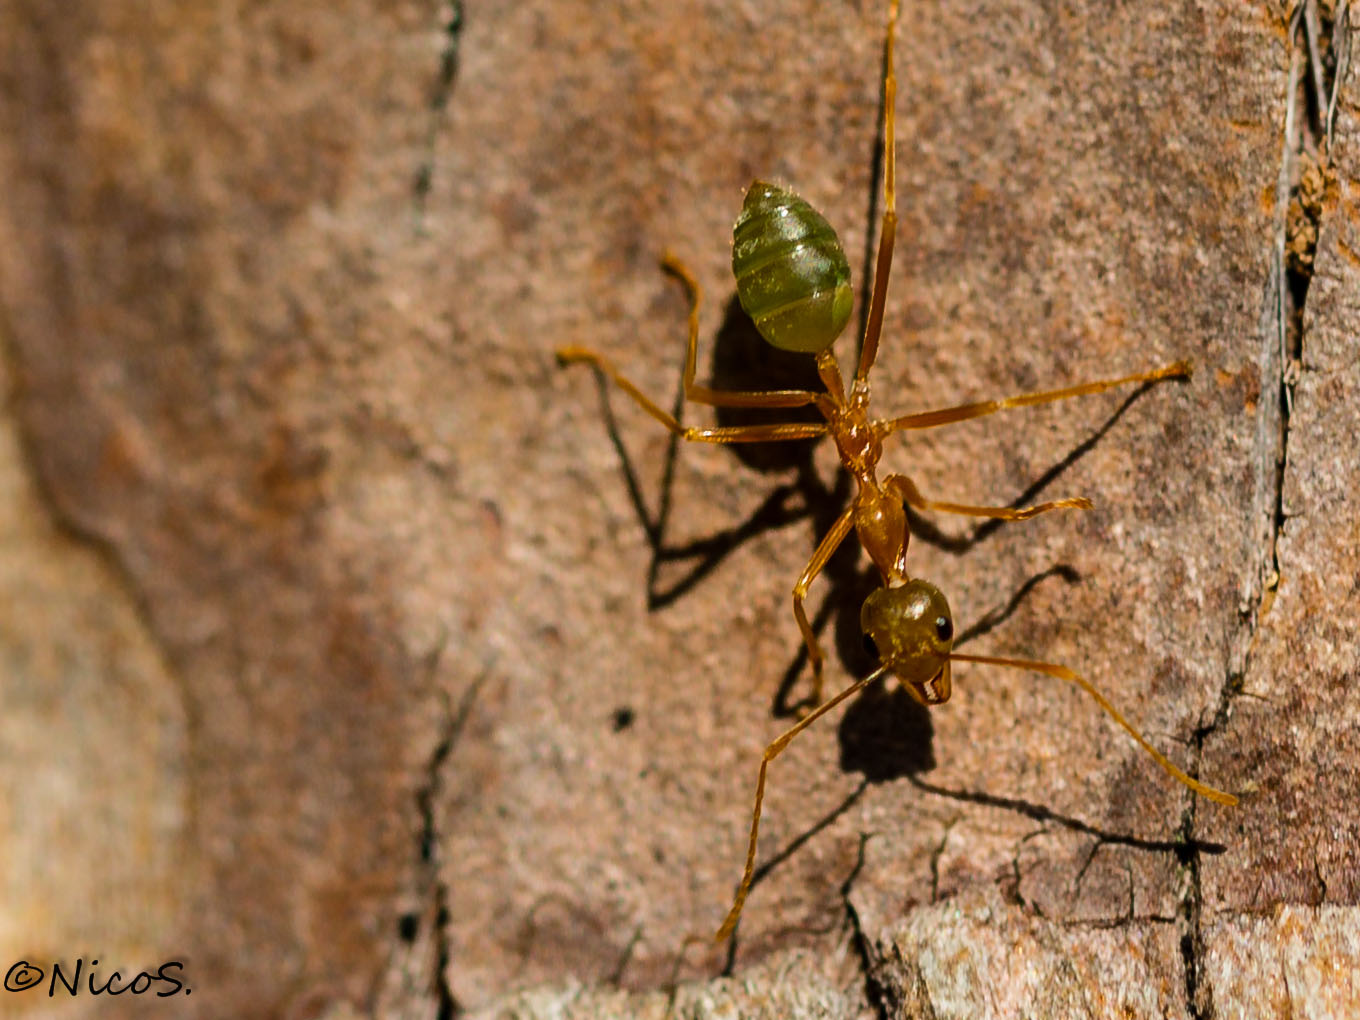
(366, 661)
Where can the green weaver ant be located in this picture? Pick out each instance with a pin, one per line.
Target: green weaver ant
(793, 280)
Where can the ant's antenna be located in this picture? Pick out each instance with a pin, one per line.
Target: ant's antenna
(1063, 673)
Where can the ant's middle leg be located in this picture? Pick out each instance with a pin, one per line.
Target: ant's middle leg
(825, 549)
(904, 489)
(963, 412)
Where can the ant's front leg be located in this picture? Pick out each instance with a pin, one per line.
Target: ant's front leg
(825, 549)
(771, 753)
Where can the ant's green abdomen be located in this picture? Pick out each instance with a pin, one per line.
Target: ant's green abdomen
(793, 279)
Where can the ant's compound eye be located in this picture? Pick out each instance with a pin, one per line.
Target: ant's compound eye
(944, 627)
(870, 647)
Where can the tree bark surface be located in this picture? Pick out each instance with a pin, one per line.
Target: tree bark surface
(367, 661)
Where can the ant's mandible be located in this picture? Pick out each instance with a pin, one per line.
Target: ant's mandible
(793, 280)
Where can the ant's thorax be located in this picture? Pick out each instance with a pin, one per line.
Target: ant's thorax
(878, 515)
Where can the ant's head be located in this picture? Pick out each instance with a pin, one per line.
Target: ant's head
(911, 630)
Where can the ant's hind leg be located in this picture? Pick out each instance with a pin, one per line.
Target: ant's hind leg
(963, 412)
(904, 489)
(572, 354)
(721, 398)
(825, 549)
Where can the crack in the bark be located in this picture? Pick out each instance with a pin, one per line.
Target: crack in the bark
(1303, 168)
(1322, 882)
(1288, 993)
(1015, 896)
(874, 991)
(1116, 923)
(935, 856)
(1199, 1005)
(440, 95)
(1188, 848)
(437, 889)
(1341, 51)
(1096, 846)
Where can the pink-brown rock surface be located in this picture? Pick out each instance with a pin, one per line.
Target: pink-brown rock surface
(437, 683)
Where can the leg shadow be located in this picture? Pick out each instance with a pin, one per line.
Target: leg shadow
(925, 529)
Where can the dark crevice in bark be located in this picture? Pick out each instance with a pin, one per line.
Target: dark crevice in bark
(935, 856)
(1117, 923)
(1317, 52)
(1189, 850)
(440, 95)
(1011, 891)
(1197, 1000)
(437, 889)
(874, 990)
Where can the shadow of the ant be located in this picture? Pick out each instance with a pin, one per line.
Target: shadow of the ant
(993, 618)
(742, 360)
(797, 843)
(884, 733)
(1043, 814)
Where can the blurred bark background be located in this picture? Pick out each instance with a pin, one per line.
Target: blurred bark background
(363, 660)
